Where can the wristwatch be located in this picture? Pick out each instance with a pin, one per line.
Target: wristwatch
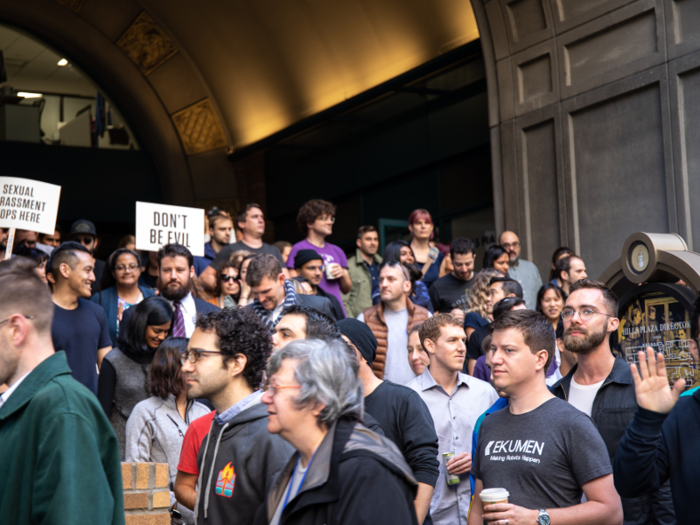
(543, 518)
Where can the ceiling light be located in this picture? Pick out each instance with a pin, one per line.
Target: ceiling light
(63, 62)
(29, 95)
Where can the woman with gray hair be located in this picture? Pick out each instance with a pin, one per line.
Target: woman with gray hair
(342, 472)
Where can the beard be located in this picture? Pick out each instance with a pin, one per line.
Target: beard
(172, 293)
(586, 343)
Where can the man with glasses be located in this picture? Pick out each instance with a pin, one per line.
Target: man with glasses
(224, 364)
(525, 272)
(601, 384)
(84, 232)
(59, 457)
(391, 320)
(315, 220)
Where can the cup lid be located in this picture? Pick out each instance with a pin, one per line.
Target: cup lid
(494, 494)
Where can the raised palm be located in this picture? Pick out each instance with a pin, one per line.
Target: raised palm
(651, 383)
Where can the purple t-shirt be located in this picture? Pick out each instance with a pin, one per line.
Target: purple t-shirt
(331, 254)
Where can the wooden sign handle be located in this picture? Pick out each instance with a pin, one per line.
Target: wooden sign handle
(10, 242)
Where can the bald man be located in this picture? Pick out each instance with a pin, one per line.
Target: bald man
(525, 272)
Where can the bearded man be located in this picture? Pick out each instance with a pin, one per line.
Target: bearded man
(601, 385)
(175, 274)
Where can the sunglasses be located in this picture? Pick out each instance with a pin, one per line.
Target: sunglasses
(227, 278)
(85, 240)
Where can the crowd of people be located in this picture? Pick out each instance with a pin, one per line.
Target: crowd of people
(292, 384)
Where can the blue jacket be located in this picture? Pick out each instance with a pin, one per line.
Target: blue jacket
(201, 263)
(657, 447)
(109, 300)
(500, 403)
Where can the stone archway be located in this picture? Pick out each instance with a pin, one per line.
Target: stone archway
(593, 114)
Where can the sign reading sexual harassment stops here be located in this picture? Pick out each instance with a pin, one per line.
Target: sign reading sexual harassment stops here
(28, 204)
(161, 224)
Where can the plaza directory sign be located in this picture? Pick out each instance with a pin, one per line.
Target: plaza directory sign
(657, 279)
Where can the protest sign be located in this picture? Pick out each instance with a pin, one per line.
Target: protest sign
(28, 204)
(161, 224)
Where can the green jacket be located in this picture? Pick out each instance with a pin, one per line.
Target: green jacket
(360, 296)
(59, 457)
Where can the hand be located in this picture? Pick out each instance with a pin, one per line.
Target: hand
(336, 270)
(460, 464)
(458, 314)
(498, 513)
(652, 388)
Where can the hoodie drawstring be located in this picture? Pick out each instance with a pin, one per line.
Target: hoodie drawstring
(211, 470)
(199, 480)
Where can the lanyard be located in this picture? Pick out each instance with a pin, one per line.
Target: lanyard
(291, 480)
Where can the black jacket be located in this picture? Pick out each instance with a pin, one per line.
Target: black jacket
(355, 478)
(613, 409)
(658, 447)
(338, 312)
(322, 304)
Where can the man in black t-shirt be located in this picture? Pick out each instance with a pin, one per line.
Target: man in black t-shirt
(450, 294)
(543, 451)
(79, 326)
(402, 414)
(251, 223)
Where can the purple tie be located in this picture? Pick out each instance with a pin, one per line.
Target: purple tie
(179, 328)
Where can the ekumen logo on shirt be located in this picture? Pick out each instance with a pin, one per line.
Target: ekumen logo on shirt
(526, 447)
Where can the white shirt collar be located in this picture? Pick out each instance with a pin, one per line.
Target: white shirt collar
(7, 393)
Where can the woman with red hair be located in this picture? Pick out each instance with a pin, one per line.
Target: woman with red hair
(428, 258)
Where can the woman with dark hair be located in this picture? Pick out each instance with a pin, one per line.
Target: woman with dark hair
(157, 425)
(400, 251)
(559, 253)
(244, 295)
(124, 372)
(550, 303)
(428, 258)
(228, 287)
(497, 257)
(120, 288)
(36, 255)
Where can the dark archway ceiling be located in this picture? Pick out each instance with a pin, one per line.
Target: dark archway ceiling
(271, 63)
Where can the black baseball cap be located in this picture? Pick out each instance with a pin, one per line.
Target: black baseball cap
(83, 227)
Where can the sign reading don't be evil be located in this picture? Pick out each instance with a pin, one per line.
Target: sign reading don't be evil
(161, 224)
(28, 204)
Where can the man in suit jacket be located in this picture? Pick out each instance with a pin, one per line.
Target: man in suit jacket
(272, 293)
(175, 274)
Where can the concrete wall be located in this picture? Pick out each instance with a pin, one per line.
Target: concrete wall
(593, 108)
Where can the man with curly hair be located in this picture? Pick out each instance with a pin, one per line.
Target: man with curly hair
(315, 220)
(224, 363)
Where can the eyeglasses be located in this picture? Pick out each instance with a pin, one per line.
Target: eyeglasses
(85, 240)
(194, 355)
(227, 278)
(509, 245)
(131, 268)
(25, 316)
(327, 218)
(586, 314)
(272, 388)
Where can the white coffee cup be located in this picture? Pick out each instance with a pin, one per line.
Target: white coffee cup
(492, 496)
(329, 270)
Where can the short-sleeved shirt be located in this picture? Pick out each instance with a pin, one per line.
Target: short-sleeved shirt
(331, 254)
(195, 434)
(543, 457)
(226, 252)
(80, 333)
(474, 320)
(449, 292)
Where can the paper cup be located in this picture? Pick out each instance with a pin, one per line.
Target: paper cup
(493, 496)
(329, 269)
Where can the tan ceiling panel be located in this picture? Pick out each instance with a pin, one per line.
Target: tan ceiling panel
(271, 63)
(73, 5)
(146, 43)
(199, 128)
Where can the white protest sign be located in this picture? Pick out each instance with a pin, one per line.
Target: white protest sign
(161, 224)
(28, 204)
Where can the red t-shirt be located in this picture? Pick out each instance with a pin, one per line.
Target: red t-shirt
(196, 432)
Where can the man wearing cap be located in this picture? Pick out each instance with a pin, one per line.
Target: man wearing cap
(84, 232)
(402, 414)
(309, 265)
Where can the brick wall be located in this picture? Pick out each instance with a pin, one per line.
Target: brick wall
(146, 493)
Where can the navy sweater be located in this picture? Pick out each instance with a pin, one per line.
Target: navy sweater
(657, 447)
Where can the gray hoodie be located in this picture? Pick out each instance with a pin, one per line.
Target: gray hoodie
(237, 461)
(154, 433)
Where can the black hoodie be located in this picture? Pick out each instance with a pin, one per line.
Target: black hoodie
(237, 462)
